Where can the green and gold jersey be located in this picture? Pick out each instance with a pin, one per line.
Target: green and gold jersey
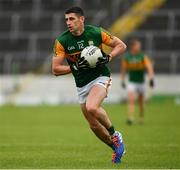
(69, 46)
(135, 65)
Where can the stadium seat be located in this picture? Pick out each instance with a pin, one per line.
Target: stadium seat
(16, 6)
(45, 44)
(176, 44)
(171, 5)
(177, 22)
(42, 24)
(16, 45)
(5, 25)
(124, 6)
(155, 23)
(55, 5)
(178, 64)
(25, 58)
(95, 5)
(165, 43)
(162, 63)
(2, 64)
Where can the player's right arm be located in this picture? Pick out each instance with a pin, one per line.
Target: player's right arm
(58, 68)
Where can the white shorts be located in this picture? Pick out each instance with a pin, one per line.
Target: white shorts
(136, 87)
(84, 91)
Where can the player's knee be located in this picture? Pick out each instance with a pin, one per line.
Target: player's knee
(91, 109)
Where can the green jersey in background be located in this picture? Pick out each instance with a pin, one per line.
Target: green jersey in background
(135, 65)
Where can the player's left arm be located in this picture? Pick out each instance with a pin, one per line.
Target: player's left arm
(117, 45)
(150, 70)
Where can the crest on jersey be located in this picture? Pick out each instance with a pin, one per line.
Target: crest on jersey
(91, 42)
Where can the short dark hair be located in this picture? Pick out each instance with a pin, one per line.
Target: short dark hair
(76, 10)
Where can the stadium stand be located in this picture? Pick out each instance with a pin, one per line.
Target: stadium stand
(28, 29)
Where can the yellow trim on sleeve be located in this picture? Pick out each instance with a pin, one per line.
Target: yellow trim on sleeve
(59, 50)
(106, 38)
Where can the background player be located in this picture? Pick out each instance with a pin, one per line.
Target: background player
(135, 62)
(92, 84)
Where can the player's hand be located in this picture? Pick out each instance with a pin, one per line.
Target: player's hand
(123, 84)
(151, 83)
(81, 64)
(104, 59)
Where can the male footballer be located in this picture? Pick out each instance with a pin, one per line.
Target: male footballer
(92, 83)
(135, 62)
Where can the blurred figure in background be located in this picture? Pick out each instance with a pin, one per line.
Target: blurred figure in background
(135, 63)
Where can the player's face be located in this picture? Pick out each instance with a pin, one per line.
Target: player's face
(136, 48)
(74, 22)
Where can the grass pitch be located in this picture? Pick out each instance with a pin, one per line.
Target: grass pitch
(59, 137)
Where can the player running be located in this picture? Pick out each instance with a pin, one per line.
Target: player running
(92, 83)
(135, 62)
